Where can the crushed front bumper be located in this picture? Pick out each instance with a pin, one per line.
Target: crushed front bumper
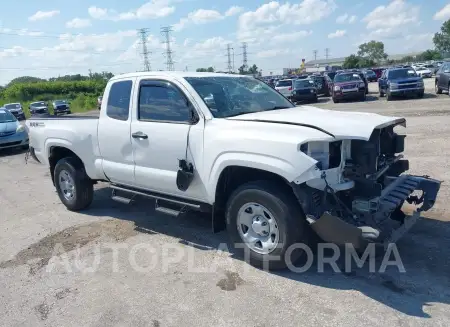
(398, 190)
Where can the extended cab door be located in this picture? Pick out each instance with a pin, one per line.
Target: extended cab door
(114, 132)
(166, 128)
(444, 76)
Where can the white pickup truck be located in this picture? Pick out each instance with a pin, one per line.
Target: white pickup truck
(269, 172)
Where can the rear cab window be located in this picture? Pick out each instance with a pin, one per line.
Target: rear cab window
(118, 106)
(284, 83)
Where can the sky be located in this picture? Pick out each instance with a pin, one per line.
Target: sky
(58, 37)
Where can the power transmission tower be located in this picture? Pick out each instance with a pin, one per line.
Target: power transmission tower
(229, 66)
(244, 55)
(327, 53)
(143, 35)
(165, 32)
(315, 54)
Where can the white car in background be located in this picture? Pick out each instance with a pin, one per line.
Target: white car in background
(285, 87)
(423, 72)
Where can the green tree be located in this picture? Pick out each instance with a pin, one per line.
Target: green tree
(429, 55)
(441, 39)
(203, 70)
(253, 70)
(351, 61)
(373, 50)
(25, 79)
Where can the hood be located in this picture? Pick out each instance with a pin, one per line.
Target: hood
(8, 127)
(340, 124)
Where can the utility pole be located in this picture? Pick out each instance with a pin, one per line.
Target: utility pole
(315, 54)
(165, 32)
(244, 55)
(229, 67)
(327, 53)
(143, 35)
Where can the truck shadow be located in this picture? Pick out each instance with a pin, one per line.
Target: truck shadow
(424, 253)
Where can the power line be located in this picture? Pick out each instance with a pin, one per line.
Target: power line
(64, 67)
(165, 32)
(229, 66)
(143, 33)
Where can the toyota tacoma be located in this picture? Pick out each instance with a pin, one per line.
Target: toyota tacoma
(270, 173)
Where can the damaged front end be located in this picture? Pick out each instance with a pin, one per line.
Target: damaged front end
(357, 189)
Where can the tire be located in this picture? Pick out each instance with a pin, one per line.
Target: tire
(363, 97)
(388, 96)
(437, 88)
(288, 222)
(83, 187)
(420, 95)
(335, 100)
(24, 147)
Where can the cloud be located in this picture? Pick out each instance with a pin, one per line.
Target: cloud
(42, 15)
(13, 52)
(78, 23)
(150, 10)
(205, 16)
(443, 14)
(233, 10)
(396, 13)
(338, 33)
(289, 37)
(345, 18)
(21, 32)
(272, 53)
(268, 18)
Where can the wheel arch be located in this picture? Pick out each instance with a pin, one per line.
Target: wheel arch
(58, 152)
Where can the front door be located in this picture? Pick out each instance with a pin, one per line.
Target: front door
(163, 132)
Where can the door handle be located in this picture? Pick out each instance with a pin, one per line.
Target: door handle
(139, 135)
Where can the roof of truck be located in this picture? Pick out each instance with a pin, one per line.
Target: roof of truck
(174, 74)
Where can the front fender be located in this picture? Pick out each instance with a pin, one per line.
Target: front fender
(267, 163)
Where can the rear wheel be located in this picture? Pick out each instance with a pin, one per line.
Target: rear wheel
(264, 221)
(74, 187)
(437, 88)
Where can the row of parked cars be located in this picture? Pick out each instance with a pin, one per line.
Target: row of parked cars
(353, 84)
(39, 107)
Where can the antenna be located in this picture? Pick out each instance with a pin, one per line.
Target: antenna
(143, 35)
(165, 32)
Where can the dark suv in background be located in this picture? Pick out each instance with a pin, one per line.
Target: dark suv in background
(442, 81)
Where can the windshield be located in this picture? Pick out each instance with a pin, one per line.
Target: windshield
(60, 102)
(370, 72)
(331, 75)
(284, 83)
(12, 106)
(346, 78)
(401, 73)
(36, 104)
(232, 96)
(303, 83)
(6, 117)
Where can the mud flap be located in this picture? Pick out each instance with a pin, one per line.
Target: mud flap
(409, 222)
(334, 230)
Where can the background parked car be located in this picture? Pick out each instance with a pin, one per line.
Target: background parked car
(378, 71)
(99, 102)
(400, 81)
(370, 75)
(304, 90)
(39, 107)
(442, 81)
(424, 72)
(321, 84)
(12, 133)
(348, 85)
(285, 86)
(61, 107)
(16, 109)
(363, 78)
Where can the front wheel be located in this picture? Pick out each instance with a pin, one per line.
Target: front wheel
(388, 96)
(266, 225)
(73, 186)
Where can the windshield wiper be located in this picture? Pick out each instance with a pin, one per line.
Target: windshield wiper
(277, 108)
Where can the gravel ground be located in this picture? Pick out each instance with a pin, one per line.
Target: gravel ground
(184, 280)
